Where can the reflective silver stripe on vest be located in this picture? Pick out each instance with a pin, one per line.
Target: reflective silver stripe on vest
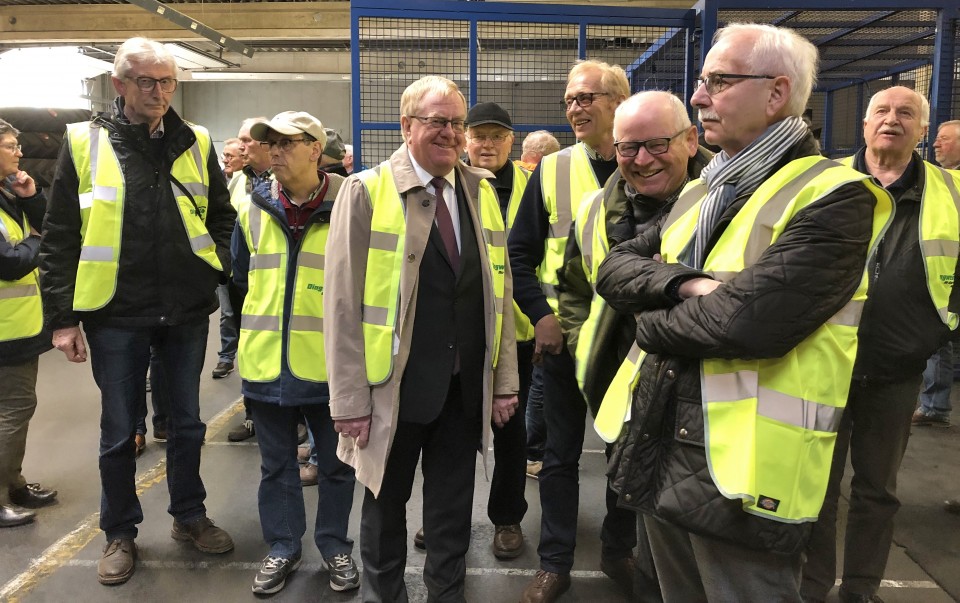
(384, 241)
(104, 193)
(255, 218)
(86, 200)
(260, 323)
(265, 261)
(494, 237)
(306, 323)
(201, 242)
(742, 385)
(951, 186)
(4, 233)
(564, 218)
(198, 159)
(586, 245)
(18, 291)
(849, 315)
(374, 315)
(633, 354)
(940, 247)
(92, 253)
(309, 259)
(197, 189)
(94, 151)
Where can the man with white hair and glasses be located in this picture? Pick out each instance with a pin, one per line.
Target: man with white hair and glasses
(746, 299)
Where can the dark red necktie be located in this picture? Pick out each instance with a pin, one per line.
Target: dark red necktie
(445, 225)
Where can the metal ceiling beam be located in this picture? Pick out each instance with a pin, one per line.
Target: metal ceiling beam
(191, 24)
(852, 79)
(843, 32)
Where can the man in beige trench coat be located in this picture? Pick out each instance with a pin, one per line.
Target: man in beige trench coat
(420, 353)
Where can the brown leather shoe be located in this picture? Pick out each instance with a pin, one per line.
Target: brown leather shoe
(508, 542)
(545, 587)
(118, 562)
(309, 474)
(952, 506)
(139, 444)
(621, 570)
(207, 537)
(418, 540)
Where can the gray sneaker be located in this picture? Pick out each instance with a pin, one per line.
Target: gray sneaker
(272, 576)
(344, 574)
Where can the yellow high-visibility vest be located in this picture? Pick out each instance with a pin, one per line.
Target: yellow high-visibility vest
(520, 178)
(565, 176)
(21, 313)
(385, 259)
(263, 320)
(101, 191)
(939, 235)
(770, 424)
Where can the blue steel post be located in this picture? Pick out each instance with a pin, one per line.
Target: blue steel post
(941, 86)
(861, 110)
(355, 92)
(474, 43)
(828, 123)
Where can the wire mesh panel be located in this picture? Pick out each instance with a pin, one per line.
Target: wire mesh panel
(654, 57)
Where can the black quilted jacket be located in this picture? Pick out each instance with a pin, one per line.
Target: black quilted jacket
(659, 464)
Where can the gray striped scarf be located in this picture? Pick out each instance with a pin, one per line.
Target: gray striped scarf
(727, 178)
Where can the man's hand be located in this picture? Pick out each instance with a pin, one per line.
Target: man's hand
(504, 407)
(23, 185)
(359, 429)
(548, 336)
(696, 287)
(70, 342)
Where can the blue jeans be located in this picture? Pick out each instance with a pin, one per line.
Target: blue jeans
(536, 428)
(158, 398)
(280, 498)
(229, 338)
(937, 381)
(119, 358)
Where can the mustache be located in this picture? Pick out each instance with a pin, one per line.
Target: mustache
(705, 114)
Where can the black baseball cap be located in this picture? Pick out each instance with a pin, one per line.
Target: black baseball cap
(489, 113)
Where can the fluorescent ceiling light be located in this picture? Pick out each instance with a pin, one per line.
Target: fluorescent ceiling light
(269, 77)
(187, 58)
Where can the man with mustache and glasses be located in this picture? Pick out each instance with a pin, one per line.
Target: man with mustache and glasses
(420, 346)
(746, 298)
(136, 240)
(911, 311)
(657, 154)
(537, 241)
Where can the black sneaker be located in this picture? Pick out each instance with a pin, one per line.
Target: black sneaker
(222, 370)
(160, 434)
(273, 573)
(241, 432)
(344, 574)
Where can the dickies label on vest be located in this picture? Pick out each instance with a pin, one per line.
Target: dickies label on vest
(770, 504)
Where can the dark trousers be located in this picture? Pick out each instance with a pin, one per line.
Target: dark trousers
(565, 413)
(536, 430)
(280, 497)
(875, 429)
(18, 401)
(449, 447)
(507, 504)
(119, 358)
(159, 398)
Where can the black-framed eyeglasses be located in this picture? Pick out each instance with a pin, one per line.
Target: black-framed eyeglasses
(717, 82)
(146, 84)
(438, 123)
(285, 144)
(482, 138)
(13, 148)
(654, 146)
(584, 99)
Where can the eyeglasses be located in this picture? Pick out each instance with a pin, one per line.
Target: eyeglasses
(438, 123)
(285, 144)
(13, 148)
(654, 146)
(494, 138)
(584, 99)
(717, 82)
(146, 84)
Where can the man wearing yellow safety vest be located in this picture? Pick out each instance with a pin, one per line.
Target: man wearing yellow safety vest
(747, 299)
(420, 344)
(537, 241)
(910, 312)
(489, 140)
(278, 268)
(22, 336)
(657, 153)
(136, 239)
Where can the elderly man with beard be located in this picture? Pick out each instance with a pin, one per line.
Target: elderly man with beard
(746, 298)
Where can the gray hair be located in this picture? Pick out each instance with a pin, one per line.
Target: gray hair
(681, 119)
(7, 128)
(541, 142)
(248, 122)
(141, 50)
(779, 51)
(953, 122)
(613, 79)
(922, 100)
